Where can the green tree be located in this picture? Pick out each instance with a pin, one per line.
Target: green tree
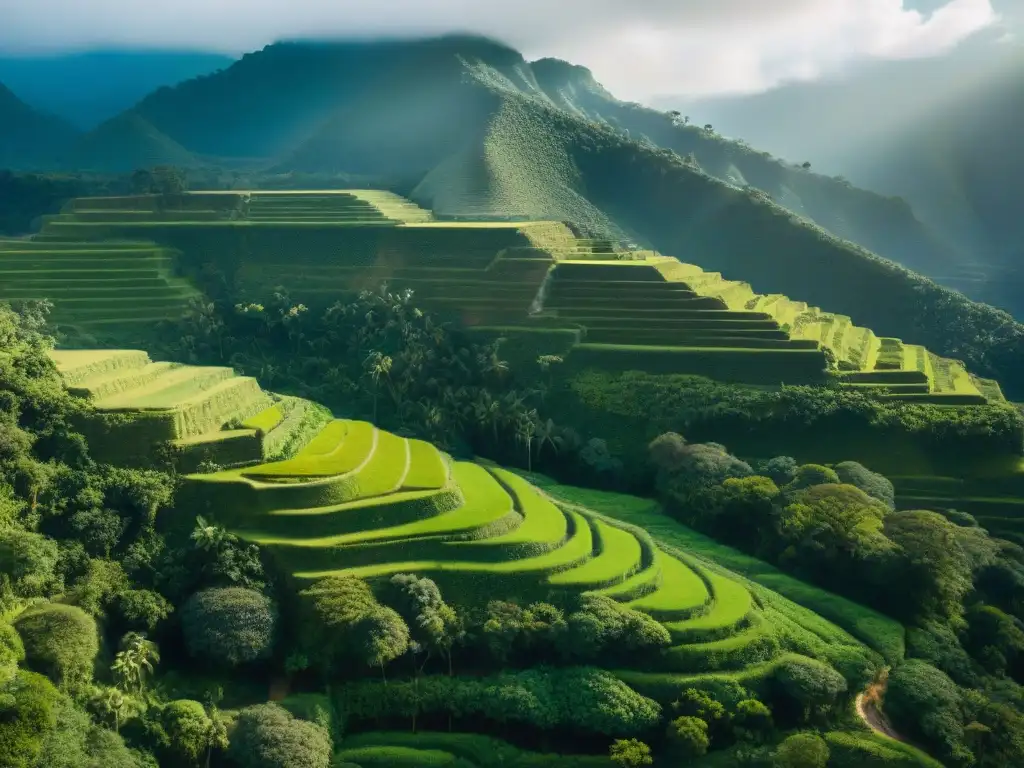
(812, 474)
(811, 683)
(688, 737)
(61, 641)
(134, 661)
(752, 720)
(802, 750)
(630, 753)
(28, 712)
(382, 637)
(229, 625)
(192, 733)
(268, 736)
(29, 560)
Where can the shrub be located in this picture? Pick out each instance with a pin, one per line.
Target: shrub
(142, 609)
(231, 625)
(752, 718)
(872, 483)
(29, 560)
(630, 753)
(666, 451)
(812, 474)
(781, 469)
(12, 650)
(688, 737)
(925, 704)
(810, 682)
(60, 641)
(189, 730)
(802, 750)
(27, 715)
(268, 736)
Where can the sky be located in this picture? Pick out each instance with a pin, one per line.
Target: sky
(637, 48)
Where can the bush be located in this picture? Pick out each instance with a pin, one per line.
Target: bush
(60, 641)
(924, 704)
(803, 750)
(12, 650)
(630, 753)
(29, 560)
(231, 625)
(780, 470)
(28, 712)
(872, 483)
(688, 737)
(810, 682)
(189, 730)
(268, 736)
(812, 474)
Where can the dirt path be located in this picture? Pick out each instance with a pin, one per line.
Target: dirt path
(868, 710)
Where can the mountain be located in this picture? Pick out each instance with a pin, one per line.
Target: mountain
(940, 133)
(476, 129)
(29, 138)
(127, 142)
(89, 88)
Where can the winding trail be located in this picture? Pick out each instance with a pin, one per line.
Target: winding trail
(867, 704)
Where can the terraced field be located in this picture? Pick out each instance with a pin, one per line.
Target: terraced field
(587, 299)
(203, 413)
(91, 284)
(333, 496)
(658, 314)
(360, 501)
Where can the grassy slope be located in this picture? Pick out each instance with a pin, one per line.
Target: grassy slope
(879, 632)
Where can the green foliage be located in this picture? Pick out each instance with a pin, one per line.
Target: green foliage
(267, 736)
(864, 749)
(28, 712)
(780, 470)
(688, 737)
(925, 704)
(342, 620)
(229, 625)
(29, 560)
(752, 719)
(142, 609)
(810, 682)
(630, 753)
(75, 742)
(812, 474)
(314, 708)
(590, 699)
(190, 732)
(872, 483)
(61, 641)
(802, 750)
(12, 650)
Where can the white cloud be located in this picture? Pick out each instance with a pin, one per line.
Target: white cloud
(637, 48)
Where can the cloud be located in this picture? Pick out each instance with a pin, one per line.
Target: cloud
(638, 48)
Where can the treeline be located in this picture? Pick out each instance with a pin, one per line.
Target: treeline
(958, 590)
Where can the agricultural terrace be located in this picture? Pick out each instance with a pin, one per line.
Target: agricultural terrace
(587, 299)
(204, 414)
(95, 284)
(357, 500)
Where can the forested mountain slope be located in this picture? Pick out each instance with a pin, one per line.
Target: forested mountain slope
(529, 142)
(29, 138)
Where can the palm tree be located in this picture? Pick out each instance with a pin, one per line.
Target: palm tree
(525, 430)
(207, 537)
(548, 434)
(112, 702)
(134, 661)
(377, 366)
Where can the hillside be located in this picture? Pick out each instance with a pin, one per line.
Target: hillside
(939, 132)
(517, 153)
(28, 138)
(90, 87)
(124, 143)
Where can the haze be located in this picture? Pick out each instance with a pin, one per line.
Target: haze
(693, 48)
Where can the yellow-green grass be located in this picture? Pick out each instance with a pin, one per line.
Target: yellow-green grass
(755, 644)
(640, 583)
(543, 524)
(731, 604)
(427, 467)
(265, 420)
(386, 467)
(680, 593)
(167, 390)
(485, 504)
(878, 632)
(619, 557)
(343, 449)
(575, 550)
(77, 365)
